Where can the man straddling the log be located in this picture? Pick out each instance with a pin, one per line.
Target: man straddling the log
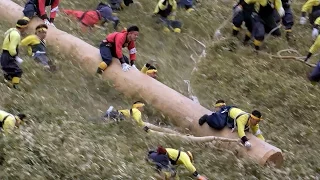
(234, 118)
(314, 76)
(37, 45)
(8, 121)
(90, 18)
(165, 11)
(112, 47)
(176, 158)
(313, 8)
(135, 113)
(38, 7)
(9, 57)
(263, 19)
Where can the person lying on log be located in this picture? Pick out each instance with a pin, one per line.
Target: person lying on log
(91, 18)
(234, 118)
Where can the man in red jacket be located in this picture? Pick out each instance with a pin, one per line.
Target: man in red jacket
(112, 47)
(38, 7)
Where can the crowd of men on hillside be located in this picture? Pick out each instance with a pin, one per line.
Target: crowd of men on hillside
(260, 17)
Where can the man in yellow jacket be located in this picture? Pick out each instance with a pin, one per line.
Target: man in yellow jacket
(176, 158)
(263, 19)
(313, 8)
(8, 121)
(243, 121)
(314, 76)
(37, 47)
(149, 69)
(9, 57)
(134, 113)
(166, 11)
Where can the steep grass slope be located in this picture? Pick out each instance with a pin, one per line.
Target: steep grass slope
(60, 142)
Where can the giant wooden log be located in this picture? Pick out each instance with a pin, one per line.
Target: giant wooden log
(182, 111)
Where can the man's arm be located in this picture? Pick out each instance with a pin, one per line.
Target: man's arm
(54, 10)
(119, 41)
(136, 115)
(14, 42)
(29, 40)
(42, 9)
(308, 6)
(9, 125)
(241, 123)
(278, 5)
(132, 52)
(257, 132)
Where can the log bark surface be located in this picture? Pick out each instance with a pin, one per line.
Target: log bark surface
(182, 111)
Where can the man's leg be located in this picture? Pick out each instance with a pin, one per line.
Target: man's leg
(287, 21)
(313, 16)
(30, 9)
(106, 56)
(314, 76)
(176, 25)
(258, 31)
(271, 26)
(247, 17)
(11, 69)
(237, 22)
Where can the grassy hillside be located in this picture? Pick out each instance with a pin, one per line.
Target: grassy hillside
(62, 142)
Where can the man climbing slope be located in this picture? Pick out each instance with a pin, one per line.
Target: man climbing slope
(314, 76)
(235, 119)
(112, 47)
(165, 11)
(263, 19)
(90, 18)
(176, 158)
(149, 69)
(37, 47)
(135, 113)
(9, 57)
(313, 8)
(8, 121)
(38, 7)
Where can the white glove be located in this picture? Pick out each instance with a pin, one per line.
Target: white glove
(237, 10)
(134, 66)
(46, 22)
(217, 33)
(247, 144)
(19, 60)
(281, 12)
(303, 20)
(315, 33)
(125, 67)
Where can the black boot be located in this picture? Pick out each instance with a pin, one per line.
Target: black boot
(288, 35)
(246, 40)
(99, 71)
(235, 32)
